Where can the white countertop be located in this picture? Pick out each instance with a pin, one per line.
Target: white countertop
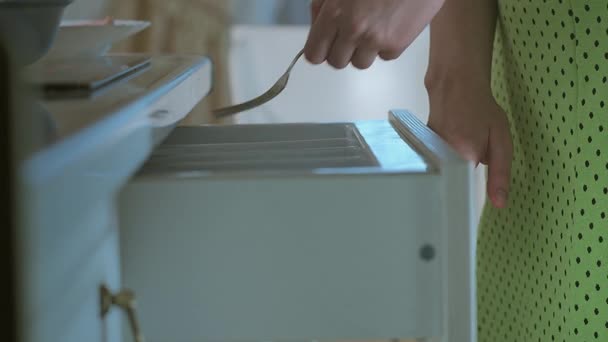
(127, 99)
(101, 142)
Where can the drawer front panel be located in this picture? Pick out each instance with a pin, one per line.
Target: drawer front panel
(320, 257)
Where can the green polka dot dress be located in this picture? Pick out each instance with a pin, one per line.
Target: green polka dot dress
(543, 262)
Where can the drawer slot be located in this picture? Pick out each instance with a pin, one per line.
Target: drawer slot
(262, 147)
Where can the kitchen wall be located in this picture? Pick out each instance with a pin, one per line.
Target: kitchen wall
(271, 12)
(87, 9)
(251, 12)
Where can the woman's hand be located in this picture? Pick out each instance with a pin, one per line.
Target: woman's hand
(458, 80)
(470, 120)
(358, 31)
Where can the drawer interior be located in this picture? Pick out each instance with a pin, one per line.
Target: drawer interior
(261, 147)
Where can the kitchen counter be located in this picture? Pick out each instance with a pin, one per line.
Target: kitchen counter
(68, 242)
(135, 114)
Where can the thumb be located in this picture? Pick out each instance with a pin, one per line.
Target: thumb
(500, 156)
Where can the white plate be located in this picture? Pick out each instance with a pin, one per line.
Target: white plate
(82, 38)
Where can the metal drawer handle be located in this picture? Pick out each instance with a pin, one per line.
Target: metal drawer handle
(125, 299)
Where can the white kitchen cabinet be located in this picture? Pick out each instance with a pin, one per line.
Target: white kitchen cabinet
(68, 239)
(305, 231)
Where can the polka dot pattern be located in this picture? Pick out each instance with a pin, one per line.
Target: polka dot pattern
(542, 264)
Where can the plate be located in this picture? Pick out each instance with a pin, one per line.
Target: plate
(88, 38)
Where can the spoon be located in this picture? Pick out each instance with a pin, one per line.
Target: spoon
(273, 92)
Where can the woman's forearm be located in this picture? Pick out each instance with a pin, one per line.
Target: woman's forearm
(462, 39)
(463, 110)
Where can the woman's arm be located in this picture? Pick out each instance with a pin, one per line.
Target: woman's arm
(463, 110)
(462, 39)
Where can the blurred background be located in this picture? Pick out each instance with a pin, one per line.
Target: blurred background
(248, 12)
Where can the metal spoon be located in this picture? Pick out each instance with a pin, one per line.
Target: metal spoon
(273, 92)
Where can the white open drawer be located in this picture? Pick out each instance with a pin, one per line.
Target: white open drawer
(290, 232)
